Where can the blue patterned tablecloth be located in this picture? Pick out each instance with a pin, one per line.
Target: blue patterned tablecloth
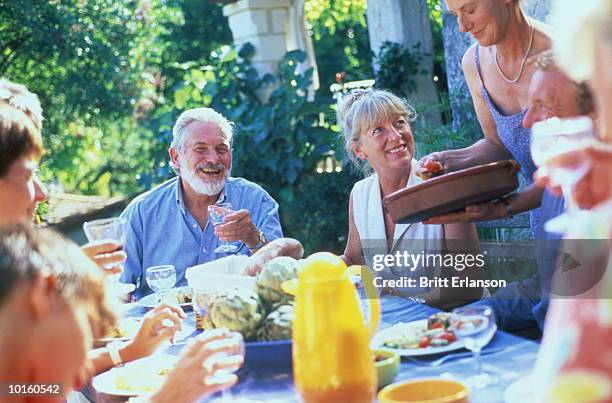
(513, 358)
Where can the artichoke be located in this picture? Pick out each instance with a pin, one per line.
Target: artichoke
(272, 275)
(238, 310)
(277, 325)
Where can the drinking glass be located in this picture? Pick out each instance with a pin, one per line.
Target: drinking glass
(161, 279)
(202, 300)
(216, 214)
(113, 229)
(475, 326)
(552, 141)
(235, 355)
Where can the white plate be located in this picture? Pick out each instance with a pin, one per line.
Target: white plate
(520, 391)
(128, 325)
(379, 338)
(143, 375)
(152, 300)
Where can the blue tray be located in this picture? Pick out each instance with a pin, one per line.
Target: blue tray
(268, 354)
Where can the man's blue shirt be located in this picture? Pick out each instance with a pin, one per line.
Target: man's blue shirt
(523, 304)
(161, 230)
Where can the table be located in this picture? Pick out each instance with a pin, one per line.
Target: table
(515, 358)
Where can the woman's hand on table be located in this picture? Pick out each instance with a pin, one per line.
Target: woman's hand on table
(158, 325)
(188, 381)
(105, 254)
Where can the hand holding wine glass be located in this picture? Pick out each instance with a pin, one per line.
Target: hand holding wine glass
(222, 365)
(106, 239)
(190, 378)
(216, 215)
(554, 141)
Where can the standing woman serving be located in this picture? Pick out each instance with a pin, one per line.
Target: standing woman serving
(498, 74)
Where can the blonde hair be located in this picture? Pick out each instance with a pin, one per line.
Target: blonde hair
(579, 26)
(26, 252)
(362, 110)
(20, 124)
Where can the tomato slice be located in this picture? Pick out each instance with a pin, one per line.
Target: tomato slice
(448, 336)
(424, 342)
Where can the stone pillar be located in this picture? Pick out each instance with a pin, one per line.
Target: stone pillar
(273, 27)
(405, 22)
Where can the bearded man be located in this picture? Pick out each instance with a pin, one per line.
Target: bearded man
(169, 224)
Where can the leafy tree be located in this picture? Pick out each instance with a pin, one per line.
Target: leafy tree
(334, 25)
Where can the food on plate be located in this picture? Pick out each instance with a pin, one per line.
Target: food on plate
(277, 325)
(439, 320)
(144, 376)
(272, 276)
(433, 168)
(182, 295)
(127, 327)
(408, 336)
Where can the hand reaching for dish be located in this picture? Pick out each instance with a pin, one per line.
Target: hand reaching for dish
(158, 325)
(431, 165)
(278, 247)
(188, 380)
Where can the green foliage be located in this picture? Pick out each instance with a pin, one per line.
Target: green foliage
(327, 15)
(341, 41)
(319, 214)
(397, 68)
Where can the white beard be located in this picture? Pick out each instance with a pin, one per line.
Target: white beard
(200, 185)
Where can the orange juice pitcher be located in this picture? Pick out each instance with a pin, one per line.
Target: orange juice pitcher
(332, 359)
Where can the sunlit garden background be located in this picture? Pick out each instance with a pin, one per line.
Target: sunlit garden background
(114, 75)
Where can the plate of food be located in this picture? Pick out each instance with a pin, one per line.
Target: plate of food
(125, 329)
(144, 376)
(421, 337)
(443, 193)
(178, 295)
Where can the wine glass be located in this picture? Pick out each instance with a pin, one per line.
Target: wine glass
(113, 229)
(553, 142)
(475, 326)
(161, 279)
(230, 360)
(216, 214)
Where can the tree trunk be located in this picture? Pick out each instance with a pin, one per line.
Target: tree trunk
(406, 22)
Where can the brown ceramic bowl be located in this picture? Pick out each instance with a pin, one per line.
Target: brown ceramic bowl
(453, 191)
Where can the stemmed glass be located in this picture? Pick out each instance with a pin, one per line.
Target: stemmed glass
(227, 362)
(475, 326)
(113, 229)
(216, 214)
(161, 279)
(552, 141)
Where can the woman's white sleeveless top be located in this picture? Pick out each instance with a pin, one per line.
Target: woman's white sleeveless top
(415, 239)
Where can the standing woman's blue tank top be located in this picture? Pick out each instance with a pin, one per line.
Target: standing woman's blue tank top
(514, 136)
